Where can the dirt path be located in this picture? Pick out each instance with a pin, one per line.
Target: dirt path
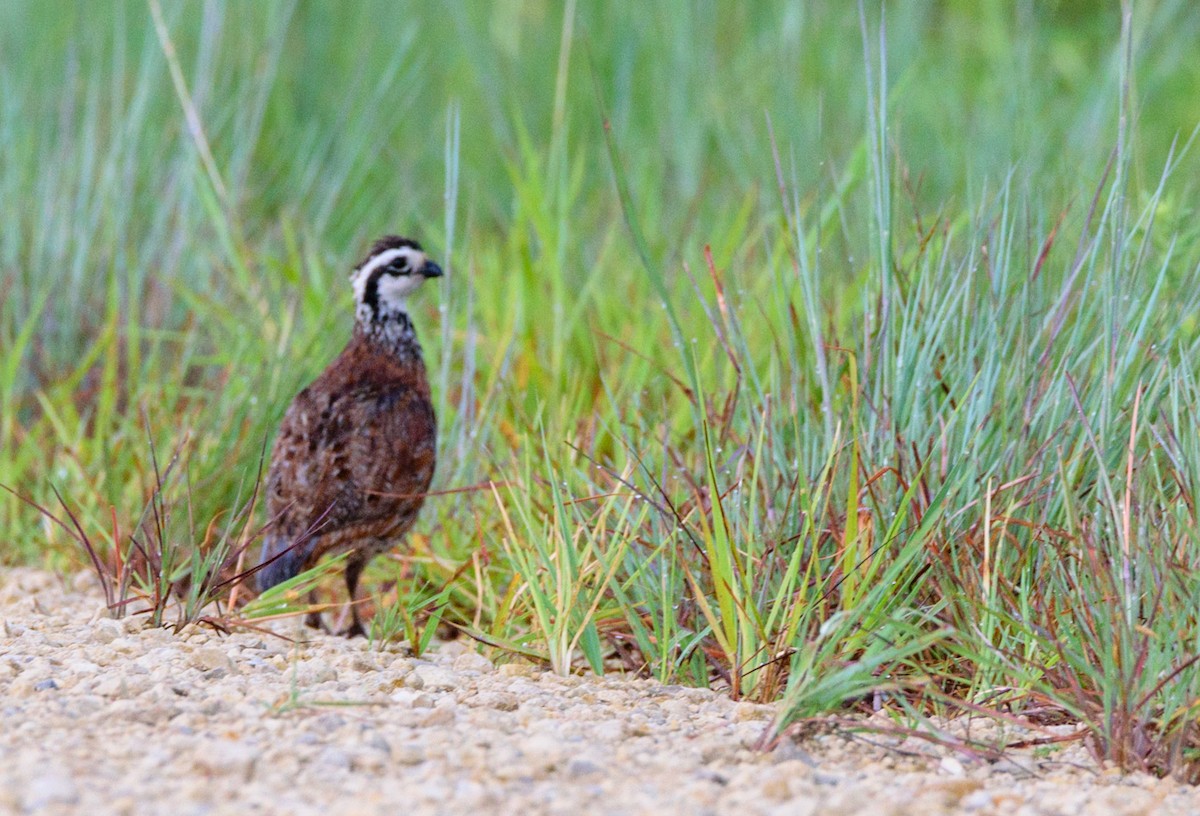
(102, 716)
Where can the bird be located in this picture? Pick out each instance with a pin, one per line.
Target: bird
(356, 450)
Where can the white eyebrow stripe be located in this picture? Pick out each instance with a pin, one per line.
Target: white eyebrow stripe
(382, 259)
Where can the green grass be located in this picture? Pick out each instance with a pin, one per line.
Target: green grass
(830, 360)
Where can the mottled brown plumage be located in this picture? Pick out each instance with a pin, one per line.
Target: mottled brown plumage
(356, 450)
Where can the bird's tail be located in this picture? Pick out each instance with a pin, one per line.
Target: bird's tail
(282, 558)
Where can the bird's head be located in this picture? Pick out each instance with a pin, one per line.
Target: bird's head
(392, 270)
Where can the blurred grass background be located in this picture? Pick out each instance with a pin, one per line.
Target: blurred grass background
(815, 355)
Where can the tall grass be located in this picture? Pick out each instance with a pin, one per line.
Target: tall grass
(788, 349)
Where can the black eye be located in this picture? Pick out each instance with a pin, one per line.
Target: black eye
(398, 267)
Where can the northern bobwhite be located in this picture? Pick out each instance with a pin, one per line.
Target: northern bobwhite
(356, 450)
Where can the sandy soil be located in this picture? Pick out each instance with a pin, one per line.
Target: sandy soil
(101, 716)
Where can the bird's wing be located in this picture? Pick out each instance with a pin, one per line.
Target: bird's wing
(351, 454)
(310, 482)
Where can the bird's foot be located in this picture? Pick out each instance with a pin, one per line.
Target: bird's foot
(354, 630)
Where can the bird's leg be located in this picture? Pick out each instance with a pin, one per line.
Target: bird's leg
(313, 619)
(354, 568)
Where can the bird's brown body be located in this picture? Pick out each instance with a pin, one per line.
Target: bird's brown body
(356, 450)
(355, 453)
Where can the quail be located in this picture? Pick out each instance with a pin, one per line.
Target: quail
(356, 450)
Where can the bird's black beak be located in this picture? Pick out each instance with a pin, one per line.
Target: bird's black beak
(431, 270)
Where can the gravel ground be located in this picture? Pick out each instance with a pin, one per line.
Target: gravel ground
(102, 716)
